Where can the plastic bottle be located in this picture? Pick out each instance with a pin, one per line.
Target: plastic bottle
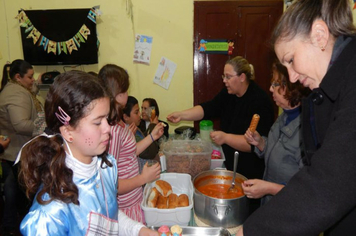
(206, 126)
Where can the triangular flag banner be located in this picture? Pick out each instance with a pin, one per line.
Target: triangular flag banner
(92, 15)
(52, 46)
(34, 34)
(71, 46)
(84, 31)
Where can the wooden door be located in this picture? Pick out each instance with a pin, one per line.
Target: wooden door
(249, 24)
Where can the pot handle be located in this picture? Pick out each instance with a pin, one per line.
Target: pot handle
(221, 209)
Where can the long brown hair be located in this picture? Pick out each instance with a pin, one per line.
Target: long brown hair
(43, 159)
(116, 80)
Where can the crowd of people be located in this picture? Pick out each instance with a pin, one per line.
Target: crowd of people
(78, 164)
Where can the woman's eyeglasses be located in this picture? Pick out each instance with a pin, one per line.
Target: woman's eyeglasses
(227, 76)
(276, 84)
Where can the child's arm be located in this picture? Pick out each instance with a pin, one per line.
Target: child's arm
(148, 174)
(129, 227)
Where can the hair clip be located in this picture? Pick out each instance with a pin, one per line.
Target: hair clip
(63, 117)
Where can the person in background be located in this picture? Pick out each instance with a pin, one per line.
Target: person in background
(132, 118)
(235, 105)
(19, 108)
(316, 41)
(148, 122)
(123, 145)
(67, 171)
(281, 149)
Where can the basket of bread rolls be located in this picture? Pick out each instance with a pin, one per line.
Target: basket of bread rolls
(168, 200)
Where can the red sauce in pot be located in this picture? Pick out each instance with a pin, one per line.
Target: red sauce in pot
(220, 191)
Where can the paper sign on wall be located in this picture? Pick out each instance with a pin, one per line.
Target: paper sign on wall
(164, 73)
(143, 46)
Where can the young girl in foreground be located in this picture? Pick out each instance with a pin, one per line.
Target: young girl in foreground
(66, 169)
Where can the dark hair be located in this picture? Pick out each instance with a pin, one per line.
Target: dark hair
(241, 65)
(152, 102)
(43, 160)
(18, 66)
(93, 73)
(131, 102)
(299, 17)
(116, 81)
(294, 91)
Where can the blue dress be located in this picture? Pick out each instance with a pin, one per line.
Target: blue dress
(59, 218)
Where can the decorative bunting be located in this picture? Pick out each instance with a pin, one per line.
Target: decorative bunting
(84, 31)
(71, 45)
(34, 34)
(92, 15)
(43, 42)
(52, 46)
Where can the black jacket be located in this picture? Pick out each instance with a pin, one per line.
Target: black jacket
(322, 196)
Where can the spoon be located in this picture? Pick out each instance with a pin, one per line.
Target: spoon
(236, 159)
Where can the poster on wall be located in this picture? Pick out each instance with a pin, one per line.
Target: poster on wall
(165, 72)
(143, 46)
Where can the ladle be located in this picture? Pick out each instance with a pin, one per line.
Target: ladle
(236, 160)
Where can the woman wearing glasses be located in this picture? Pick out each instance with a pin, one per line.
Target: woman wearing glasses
(281, 149)
(235, 106)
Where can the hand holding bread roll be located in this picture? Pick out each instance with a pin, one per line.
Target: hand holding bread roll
(183, 200)
(254, 122)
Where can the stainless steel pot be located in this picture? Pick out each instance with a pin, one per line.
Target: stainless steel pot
(216, 212)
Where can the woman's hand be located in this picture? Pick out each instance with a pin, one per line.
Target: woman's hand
(174, 117)
(151, 173)
(254, 138)
(147, 232)
(158, 131)
(218, 137)
(257, 188)
(4, 143)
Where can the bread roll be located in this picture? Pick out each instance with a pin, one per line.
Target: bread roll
(254, 122)
(172, 201)
(153, 114)
(162, 202)
(163, 187)
(152, 198)
(183, 200)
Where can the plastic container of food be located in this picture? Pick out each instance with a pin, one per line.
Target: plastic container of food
(188, 156)
(181, 183)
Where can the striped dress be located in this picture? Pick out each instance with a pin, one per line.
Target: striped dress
(123, 148)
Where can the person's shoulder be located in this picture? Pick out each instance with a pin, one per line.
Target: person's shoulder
(55, 207)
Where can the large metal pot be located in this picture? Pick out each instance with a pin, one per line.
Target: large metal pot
(216, 212)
